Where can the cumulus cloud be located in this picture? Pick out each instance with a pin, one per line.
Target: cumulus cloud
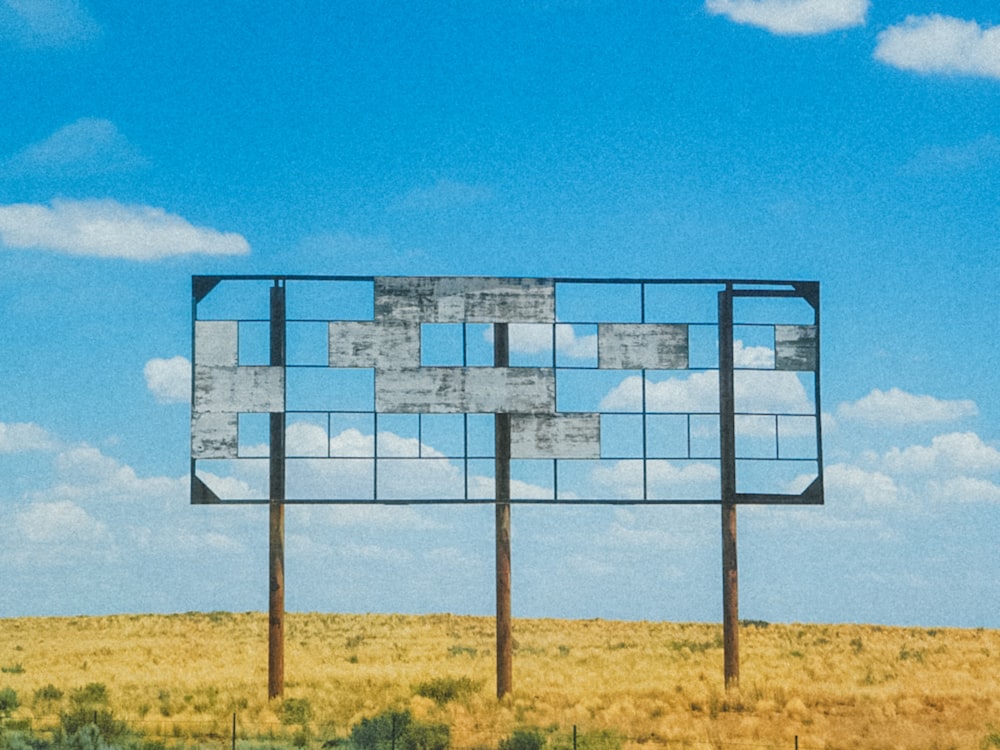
(536, 338)
(964, 490)
(47, 23)
(764, 391)
(86, 147)
(108, 229)
(85, 474)
(60, 522)
(663, 480)
(957, 452)
(20, 437)
(169, 380)
(852, 484)
(941, 44)
(752, 356)
(793, 17)
(897, 407)
(373, 516)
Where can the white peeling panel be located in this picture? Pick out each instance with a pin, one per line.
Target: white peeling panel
(236, 389)
(555, 436)
(637, 346)
(442, 299)
(214, 435)
(795, 348)
(474, 390)
(374, 344)
(216, 342)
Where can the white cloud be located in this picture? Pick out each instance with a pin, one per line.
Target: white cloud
(698, 391)
(86, 147)
(61, 524)
(665, 480)
(169, 380)
(766, 391)
(851, 484)
(20, 437)
(374, 516)
(896, 407)
(941, 44)
(793, 17)
(85, 474)
(956, 452)
(752, 356)
(964, 490)
(536, 338)
(108, 229)
(47, 23)
(445, 194)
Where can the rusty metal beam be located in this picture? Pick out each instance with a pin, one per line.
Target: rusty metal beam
(505, 638)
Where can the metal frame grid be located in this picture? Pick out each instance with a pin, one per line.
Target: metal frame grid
(627, 334)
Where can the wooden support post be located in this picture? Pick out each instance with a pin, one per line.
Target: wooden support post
(276, 547)
(505, 639)
(730, 599)
(727, 454)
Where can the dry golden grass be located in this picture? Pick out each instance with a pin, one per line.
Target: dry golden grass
(657, 684)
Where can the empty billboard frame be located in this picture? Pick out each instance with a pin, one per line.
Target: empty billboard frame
(358, 389)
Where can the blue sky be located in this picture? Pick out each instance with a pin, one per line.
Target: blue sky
(854, 143)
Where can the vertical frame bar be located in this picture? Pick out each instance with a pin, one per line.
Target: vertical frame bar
(276, 495)
(727, 454)
(505, 639)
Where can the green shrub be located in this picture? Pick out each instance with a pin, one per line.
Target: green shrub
(12, 740)
(380, 732)
(8, 701)
(92, 695)
(102, 720)
(296, 711)
(523, 739)
(87, 737)
(443, 690)
(396, 730)
(421, 736)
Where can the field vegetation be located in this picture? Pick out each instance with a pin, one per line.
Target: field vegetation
(622, 685)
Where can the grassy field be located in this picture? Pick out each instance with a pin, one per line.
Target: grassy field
(653, 684)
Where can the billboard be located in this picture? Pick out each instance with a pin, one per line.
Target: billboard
(387, 390)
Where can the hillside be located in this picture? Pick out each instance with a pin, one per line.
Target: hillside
(652, 684)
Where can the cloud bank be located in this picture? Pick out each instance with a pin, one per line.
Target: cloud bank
(941, 44)
(108, 229)
(897, 407)
(792, 17)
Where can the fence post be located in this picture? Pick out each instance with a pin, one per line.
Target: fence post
(796, 742)
(234, 730)
(574, 737)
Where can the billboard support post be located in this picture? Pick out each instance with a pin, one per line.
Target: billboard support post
(505, 640)
(276, 552)
(727, 454)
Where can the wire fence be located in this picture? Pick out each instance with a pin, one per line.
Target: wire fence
(232, 733)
